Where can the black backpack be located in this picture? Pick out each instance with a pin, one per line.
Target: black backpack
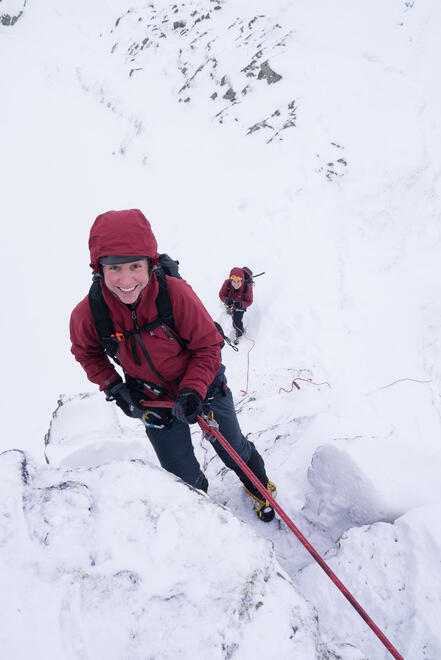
(248, 276)
(109, 339)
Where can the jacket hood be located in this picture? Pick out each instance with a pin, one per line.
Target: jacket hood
(123, 233)
(238, 272)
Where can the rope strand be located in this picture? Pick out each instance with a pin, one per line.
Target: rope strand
(400, 380)
(245, 391)
(209, 430)
(305, 380)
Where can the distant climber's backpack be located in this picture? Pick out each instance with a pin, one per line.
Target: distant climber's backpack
(248, 276)
(109, 339)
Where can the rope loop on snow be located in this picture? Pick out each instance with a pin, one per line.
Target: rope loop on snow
(383, 387)
(305, 380)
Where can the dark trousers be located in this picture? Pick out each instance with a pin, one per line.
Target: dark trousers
(238, 320)
(174, 448)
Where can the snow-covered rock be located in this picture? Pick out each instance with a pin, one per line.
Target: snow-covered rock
(393, 570)
(125, 561)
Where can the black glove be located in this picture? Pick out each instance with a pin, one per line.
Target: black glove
(124, 399)
(187, 406)
(238, 304)
(228, 302)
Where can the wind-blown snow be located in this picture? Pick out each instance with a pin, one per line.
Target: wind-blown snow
(301, 140)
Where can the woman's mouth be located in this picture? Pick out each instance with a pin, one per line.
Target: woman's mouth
(127, 290)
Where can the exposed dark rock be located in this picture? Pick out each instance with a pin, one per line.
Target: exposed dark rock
(230, 95)
(277, 129)
(7, 19)
(258, 126)
(268, 74)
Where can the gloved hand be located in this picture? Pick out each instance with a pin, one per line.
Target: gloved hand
(228, 302)
(124, 399)
(187, 406)
(237, 304)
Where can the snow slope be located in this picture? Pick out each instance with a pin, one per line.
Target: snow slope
(301, 140)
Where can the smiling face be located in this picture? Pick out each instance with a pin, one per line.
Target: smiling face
(127, 281)
(236, 283)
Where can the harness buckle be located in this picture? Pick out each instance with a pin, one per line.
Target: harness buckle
(119, 336)
(208, 417)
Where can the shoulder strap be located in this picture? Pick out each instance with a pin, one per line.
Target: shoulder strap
(163, 303)
(164, 306)
(103, 321)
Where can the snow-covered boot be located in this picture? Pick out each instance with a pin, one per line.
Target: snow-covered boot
(239, 334)
(264, 510)
(257, 466)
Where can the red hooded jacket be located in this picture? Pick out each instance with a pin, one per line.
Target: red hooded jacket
(228, 291)
(128, 233)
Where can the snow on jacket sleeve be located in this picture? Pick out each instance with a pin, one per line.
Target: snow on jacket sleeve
(87, 349)
(223, 293)
(194, 324)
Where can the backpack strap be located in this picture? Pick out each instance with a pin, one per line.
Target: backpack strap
(163, 303)
(102, 319)
(164, 306)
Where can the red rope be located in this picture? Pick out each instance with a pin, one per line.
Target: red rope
(400, 380)
(245, 391)
(209, 430)
(305, 380)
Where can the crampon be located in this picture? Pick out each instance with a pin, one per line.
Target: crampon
(263, 510)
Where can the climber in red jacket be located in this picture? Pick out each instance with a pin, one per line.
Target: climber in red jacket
(159, 362)
(237, 295)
